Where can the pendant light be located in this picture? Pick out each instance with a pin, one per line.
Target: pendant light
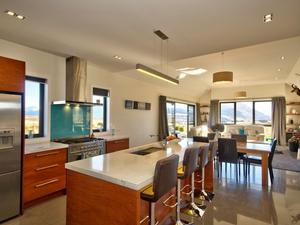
(154, 73)
(223, 76)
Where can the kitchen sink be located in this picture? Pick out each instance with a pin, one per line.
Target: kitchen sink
(146, 151)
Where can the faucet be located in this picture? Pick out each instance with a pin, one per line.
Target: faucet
(163, 142)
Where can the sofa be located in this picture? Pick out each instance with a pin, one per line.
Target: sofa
(253, 132)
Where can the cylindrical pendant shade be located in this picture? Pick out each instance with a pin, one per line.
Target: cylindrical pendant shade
(223, 77)
(241, 94)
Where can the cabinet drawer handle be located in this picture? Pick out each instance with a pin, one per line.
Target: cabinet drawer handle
(46, 167)
(46, 154)
(46, 183)
(120, 141)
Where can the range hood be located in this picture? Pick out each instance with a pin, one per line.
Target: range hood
(76, 82)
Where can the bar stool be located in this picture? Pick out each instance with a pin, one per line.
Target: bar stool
(203, 160)
(190, 165)
(210, 156)
(165, 178)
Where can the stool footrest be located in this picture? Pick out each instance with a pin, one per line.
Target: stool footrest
(185, 187)
(199, 181)
(167, 200)
(147, 218)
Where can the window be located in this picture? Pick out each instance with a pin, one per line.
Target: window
(246, 112)
(263, 112)
(34, 106)
(101, 98)
(171, 116)
(227, 112)
(181, 117)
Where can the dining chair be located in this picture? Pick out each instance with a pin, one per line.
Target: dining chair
(242, 138)
(239, 137)
(257, 160)
(227, 153)
(200, 139)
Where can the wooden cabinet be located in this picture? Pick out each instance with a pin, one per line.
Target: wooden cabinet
(12, 75)
(44, 174)
(117, 145)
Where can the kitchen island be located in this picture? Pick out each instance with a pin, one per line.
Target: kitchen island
(105, 190)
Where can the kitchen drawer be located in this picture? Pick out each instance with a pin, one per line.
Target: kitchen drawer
(43, 188)
(117, 145)
(45, 158)
(36, 174)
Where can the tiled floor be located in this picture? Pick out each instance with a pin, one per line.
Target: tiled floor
(243, 202)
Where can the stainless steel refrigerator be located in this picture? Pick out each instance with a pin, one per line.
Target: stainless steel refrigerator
(10, 155)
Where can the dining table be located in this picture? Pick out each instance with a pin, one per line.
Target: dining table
(257, 149)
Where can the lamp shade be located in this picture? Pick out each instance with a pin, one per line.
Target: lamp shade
(223, 77)
(241, 94)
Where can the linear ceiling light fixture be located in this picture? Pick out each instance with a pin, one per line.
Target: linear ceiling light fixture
(223, 77)
(154, 73)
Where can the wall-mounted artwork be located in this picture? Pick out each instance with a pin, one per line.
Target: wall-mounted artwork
(129, 104)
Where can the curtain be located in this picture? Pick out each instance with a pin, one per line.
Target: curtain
(198, 114)
(163, 118)
(279, 119)
(213, 113)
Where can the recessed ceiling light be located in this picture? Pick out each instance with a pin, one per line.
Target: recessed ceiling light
(195, 71)
(282, 57)
(278, 69)
(10, 13)
(118, 57)
(20, 17)
(182, 75)
(268, 18)
(192, 71)
(185, 68)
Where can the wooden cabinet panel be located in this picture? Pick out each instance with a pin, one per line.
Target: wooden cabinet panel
(41, 159)
(12, 75)
(117, 145)
(43, 188)
(44, 174)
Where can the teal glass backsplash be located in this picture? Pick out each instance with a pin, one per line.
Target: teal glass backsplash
(70, 121)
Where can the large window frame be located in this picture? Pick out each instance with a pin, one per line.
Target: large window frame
(105, 93)
(188, 105)
(42, 83)
(253, 112)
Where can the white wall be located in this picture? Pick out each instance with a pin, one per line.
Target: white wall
(40, 64)
(254, 91)
(137, 124)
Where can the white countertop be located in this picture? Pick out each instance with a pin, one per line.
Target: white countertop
(130, 170)
(109, 137)
(43, 146)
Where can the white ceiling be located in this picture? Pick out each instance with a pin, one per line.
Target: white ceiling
(99, 29)
(198, 29)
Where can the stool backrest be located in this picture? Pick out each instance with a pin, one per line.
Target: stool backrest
(213, 149)
(227, 150)
(203, 156)
(190, 161)
(165, 176)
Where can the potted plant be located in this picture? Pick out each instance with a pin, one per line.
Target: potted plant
(293, 144)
